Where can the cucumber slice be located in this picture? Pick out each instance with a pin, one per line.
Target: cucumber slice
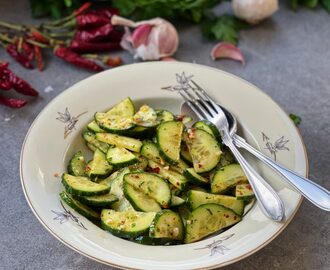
(126, 224)
(99, 167)
(164, 116)
(91, 140)
(120, 157)
(91, 147)
(167, 224)
(141, 164)
(208, 219)
(185, 154)
(227, 177)
(208, 127)
(176, 179)
(114, 124)
(117, 189)
(94, 127)
(195, 178)
(180, 166)
(77, 165)
(244, 192)
(141, 132)
(108, 181)
(105, 200)
(123, 109)
(151, 185)
(146, 117)
(176, 201)
(226, 158)
(120, 141)
(204, 149)
(169, 135)
(82, 186)
(79, 207)
(197, 198)
(150, 151)
(140, 201)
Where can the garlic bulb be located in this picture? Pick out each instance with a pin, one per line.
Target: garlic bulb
(254, 11)
(151, 39)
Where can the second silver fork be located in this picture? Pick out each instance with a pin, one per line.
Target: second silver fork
(205, 108)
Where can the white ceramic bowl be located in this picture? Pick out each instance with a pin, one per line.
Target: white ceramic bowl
(56, 134)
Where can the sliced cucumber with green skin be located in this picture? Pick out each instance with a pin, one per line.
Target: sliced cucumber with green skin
(82, 186)
(150, 151)
(180, 166)
(146, 117)
(176, 179)
(79, 207)
(120, 141)
(77, 165)
(177, 201)
(117, 189)
(91, 139)
(226, 158)
(99, 167)
(126, 224)
(120, 157)
(105, 200)
(113, 124)
(244, 192)
(197, 198)
(167, 224)
(195, 178)
(140, 132)
(108, 181)
(208, 127)
(204, 150)
(164, 115)
(151, 185)
(227, 177)
(208, 219)
(169, 136)
(94, 127)
(141, 164)
(139, 200)
(185, 154)
(91, 147)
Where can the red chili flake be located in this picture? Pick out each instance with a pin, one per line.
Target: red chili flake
(156, 169)
(200, 165)
(179, 117)
(136, 176)
(249, 187)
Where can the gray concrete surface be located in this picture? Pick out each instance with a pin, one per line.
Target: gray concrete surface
(288, 57)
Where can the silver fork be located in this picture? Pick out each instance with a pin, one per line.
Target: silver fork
(205, 108)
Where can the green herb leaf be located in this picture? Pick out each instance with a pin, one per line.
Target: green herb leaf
(223, 28)
(295, 118)
(326, 4)
(126, 7)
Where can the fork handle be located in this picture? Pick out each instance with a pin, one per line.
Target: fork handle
(313, 192)
(269, 201)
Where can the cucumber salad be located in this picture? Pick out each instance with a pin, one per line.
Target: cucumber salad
(154, 181)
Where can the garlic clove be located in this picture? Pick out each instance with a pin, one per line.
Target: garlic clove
(254, 11)
(140, 35)
(227, 50)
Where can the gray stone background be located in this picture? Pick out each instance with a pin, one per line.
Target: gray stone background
(287, 56)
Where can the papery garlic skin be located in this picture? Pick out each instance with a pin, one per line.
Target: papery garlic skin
(254, 11)
(151, 40)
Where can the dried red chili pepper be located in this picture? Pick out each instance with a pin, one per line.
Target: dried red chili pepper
(38, 56)
(5, 85)
(19, 57)
(104, 32)
(112, 62)
(83, 8)
(38, 36)
(89, 47)
(12, 102)
(70, 56)
(28, 50)
(86, 21)
(20, 85)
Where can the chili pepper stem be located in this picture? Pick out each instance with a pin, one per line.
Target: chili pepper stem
(36, 43)
(13, 26)
(6, 38)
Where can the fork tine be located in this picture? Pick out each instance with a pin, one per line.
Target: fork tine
(204, 102)
(207, 97)
(192, 106)
(197, 104)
